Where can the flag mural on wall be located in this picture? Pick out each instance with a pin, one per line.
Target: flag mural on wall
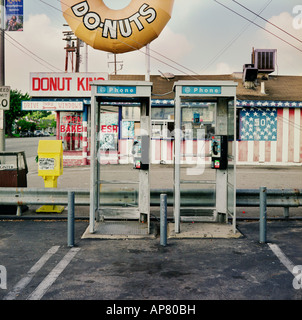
(270, 135)
(258, 124)
(14, 15)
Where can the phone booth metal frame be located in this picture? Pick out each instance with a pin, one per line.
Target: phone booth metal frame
(136, 92)
(223, 94)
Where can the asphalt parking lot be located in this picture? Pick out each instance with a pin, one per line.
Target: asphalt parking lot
(40, 265)
(37, 264)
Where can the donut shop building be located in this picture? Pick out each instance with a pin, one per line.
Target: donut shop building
(269, 118)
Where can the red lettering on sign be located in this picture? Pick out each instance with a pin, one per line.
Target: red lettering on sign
(79, 128)
(84, 83)
(51, 84)
(80, 84)
(71, 129)
(62, 83)
(71, 119)
(109, 129)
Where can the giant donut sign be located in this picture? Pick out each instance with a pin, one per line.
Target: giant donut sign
(117, 31)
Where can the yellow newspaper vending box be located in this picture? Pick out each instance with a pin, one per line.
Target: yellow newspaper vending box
(50, 167)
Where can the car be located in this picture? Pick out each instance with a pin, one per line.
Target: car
(26, 134)
(38, 133)
(23, 134)
(46, 134)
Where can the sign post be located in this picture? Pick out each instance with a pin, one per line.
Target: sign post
(4, 105)
(2, 73)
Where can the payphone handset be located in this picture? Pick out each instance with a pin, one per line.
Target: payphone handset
(140, 151)
(219, 152)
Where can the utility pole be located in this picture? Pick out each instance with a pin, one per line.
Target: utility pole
(72, 49)
(86, 57)
(77, 68)
(2, 75)
(147, 76)
(115, 62)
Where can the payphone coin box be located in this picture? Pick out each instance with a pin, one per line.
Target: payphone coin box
(140, 151)
(50, 161)
(219, 152)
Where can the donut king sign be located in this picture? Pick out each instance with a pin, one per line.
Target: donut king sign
(117, 31)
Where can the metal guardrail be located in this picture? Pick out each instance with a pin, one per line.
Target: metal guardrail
(285, 198)
(48, 196)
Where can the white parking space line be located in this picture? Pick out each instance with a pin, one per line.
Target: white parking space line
(282, 257)
(39, 292)
(30, 274)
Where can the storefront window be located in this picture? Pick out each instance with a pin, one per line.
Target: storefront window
(162, 129)
(71, 130)
(162, 122)
(131, 113)
(162, 113)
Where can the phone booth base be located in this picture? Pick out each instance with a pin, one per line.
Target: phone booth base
(119, 230)
(206, 230)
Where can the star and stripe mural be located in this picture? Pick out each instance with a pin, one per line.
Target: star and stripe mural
(270, 132)
(257, 124)
(270, 135)
(270, 103)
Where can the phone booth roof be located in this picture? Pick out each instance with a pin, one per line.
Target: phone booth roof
(113, 90)
(209, 89)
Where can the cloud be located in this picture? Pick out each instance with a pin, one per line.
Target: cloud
(288, 57)
(39, 37)
(168, 48)
(174, 46)
(223, 68)
(188, 9)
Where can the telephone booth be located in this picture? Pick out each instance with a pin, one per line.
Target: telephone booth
(205, 129)
(126, 218)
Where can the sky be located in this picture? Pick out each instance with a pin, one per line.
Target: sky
(202, 37)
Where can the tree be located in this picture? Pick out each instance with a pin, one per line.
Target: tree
(47, 122)
(37, 115)
(15, 111)
(25, 125)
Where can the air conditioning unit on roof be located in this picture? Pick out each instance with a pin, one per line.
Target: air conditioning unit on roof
(249, 72)
(264, 60)
(249, 76)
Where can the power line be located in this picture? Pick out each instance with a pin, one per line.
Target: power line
(233, 40)
(258, 15)
(49, 12)
(290, 122)
(176, 68)
(32, 55)
(28, 54)
(135, 48)
(21, 45)
(258, 25)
